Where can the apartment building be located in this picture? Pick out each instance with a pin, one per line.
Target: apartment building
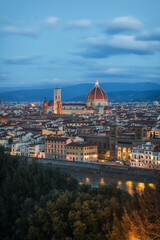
(81, 151)
(55, 147)
(146, 155)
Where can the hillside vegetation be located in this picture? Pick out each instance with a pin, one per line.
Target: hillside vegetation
(38, 202)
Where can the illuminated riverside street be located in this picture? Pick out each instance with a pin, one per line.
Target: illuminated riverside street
(95, 180)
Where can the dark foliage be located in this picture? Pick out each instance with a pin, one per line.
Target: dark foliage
(38, 202)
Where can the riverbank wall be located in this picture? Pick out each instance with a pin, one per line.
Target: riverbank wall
(123, 172)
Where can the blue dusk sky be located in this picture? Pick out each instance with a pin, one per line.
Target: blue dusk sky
(45, 42)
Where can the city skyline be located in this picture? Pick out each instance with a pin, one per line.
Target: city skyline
(70, 43)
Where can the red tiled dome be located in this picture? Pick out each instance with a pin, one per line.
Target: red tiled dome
(90, 108)
(97, 93)
(51, 103)
(107, 108)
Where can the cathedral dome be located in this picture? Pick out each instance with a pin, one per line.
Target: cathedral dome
(90, 108)
(97, 93)
(51, 103)
(107, 108)
(97, 96)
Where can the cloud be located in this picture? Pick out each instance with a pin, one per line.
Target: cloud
(4, 19)
(56, 67)
(22, 60)
(123, 24)
(4, 76)
(78, 24)
(103, 47)
(50, 21)
(154, 36)
(48, 81)
(28, 32)
(31, 31)
(125, 73)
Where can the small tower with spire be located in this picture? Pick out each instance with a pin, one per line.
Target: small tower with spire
(45, 106)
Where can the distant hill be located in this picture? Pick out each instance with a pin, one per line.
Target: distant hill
(128, 96)
(108, 86)
(115, 92)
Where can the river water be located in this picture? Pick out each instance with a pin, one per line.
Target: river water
(94, 179)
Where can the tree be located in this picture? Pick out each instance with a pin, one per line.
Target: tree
(144, 217)
(10, 141)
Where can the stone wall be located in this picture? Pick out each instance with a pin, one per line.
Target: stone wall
(124, 172)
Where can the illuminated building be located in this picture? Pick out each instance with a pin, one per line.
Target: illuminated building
(81, 151)
(55, 147)
(146, 155)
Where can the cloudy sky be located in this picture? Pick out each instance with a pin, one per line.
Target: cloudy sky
(45, 42)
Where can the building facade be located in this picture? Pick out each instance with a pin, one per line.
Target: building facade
(116, 145)
(55, 147)
(145, 155)
(81, 151)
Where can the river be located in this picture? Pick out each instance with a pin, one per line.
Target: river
(94, 179)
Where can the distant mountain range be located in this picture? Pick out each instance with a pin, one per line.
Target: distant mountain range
(115, 91)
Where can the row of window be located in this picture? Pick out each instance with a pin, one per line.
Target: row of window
(141, 156)
(72, 158)
(58, 146)
(72, 153)
(55, 152)
(55, 142)
(76, 158)
(145, 152)
(75, 108)
(145, 162)
(81, 148)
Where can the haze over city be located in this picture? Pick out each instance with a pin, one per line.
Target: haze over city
(72, 42)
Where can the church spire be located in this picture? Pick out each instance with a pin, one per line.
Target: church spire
(45, 100)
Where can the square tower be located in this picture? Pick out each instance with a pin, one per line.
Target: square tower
(141, 132)
(57, 98)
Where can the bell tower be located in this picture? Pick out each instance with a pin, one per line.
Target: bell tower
(45, 106)
(141, 132)
(115, 130)
(57, 100)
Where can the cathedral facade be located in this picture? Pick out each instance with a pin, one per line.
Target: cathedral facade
(96, 103)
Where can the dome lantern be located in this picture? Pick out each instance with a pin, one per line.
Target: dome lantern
(96, 83)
